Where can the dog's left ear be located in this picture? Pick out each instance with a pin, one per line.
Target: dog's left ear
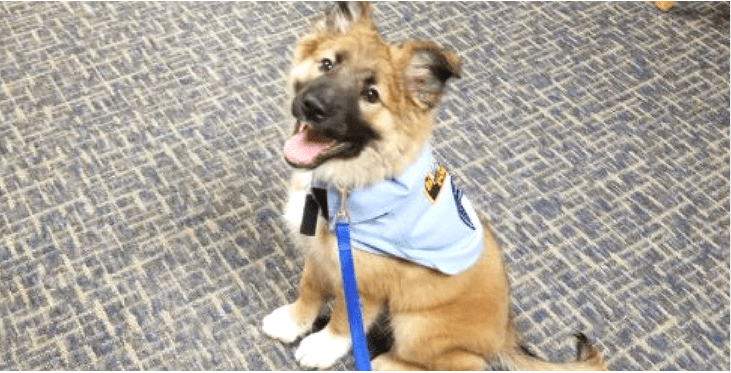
(426, 73)
(343, 15)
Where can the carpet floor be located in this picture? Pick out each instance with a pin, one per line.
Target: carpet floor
(141, 176)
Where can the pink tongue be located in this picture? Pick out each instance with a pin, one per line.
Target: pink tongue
(303, 147)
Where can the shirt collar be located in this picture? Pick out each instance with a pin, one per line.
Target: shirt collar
(368, 203)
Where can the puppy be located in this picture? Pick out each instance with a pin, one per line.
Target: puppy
(363, 117)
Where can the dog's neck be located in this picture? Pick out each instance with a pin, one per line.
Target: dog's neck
(371, 167)
(388, 191)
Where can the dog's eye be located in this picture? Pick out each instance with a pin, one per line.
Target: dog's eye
(371, 95)
(326, 65)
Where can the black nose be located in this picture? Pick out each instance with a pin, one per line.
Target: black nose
(314, 107)
(326, 106)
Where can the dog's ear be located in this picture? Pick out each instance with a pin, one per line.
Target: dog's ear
(427, 70)
(343, 15)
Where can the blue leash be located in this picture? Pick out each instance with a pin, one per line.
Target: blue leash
(352, 303)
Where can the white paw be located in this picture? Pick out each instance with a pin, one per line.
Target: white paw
(322, 349)
(280, 325)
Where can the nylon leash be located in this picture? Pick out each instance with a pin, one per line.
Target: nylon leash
(352, 302)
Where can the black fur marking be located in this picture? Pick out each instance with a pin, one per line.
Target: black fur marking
(341, 16)
(427, 73)
(340, 57)
(528, 351)
(298, 86)
(582, 346)
(343, 5)
(441, 68)
(331, 109)
(379, 337)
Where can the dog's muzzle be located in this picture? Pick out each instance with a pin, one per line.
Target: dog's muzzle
(328, 125)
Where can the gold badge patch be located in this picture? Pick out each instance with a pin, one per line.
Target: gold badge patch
(433, 184)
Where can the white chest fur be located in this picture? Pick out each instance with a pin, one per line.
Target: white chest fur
(298, 189)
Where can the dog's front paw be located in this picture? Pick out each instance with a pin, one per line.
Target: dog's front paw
(322, 349)
(280, 325)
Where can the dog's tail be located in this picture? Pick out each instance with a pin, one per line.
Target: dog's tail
(521, 358)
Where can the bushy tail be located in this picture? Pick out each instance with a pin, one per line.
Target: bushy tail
(587, 358)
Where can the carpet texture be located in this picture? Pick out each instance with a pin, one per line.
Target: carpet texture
(141, 176)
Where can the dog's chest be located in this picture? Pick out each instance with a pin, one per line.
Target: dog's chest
(419, 216)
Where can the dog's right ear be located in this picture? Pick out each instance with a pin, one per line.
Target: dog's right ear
(427, 70)
(342, 16)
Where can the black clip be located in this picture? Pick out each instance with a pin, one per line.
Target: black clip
(316, 201)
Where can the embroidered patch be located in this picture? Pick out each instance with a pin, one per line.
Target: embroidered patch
(433, 184)
(460, 209)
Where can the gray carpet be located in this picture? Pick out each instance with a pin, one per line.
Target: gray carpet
(141, 178)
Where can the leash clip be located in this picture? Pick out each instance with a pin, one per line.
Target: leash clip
(342, 215)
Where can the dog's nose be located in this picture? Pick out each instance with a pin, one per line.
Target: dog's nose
(313, 107)
(327, 107)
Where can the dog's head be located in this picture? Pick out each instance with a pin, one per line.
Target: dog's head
(363, 108)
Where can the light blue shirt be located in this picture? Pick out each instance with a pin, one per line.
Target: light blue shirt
(397, 217)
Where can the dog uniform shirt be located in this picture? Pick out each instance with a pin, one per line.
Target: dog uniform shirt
(419, 216)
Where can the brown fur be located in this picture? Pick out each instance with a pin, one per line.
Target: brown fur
(439, 322)
(400, 115)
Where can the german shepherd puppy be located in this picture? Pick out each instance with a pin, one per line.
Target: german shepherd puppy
(363, 111)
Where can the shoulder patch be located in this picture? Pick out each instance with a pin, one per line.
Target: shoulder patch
(433, 184)
(460, 208)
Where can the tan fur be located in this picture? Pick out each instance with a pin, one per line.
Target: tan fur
(439, 322)
(408, 125)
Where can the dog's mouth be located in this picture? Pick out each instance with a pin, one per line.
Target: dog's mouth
(307, 148)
